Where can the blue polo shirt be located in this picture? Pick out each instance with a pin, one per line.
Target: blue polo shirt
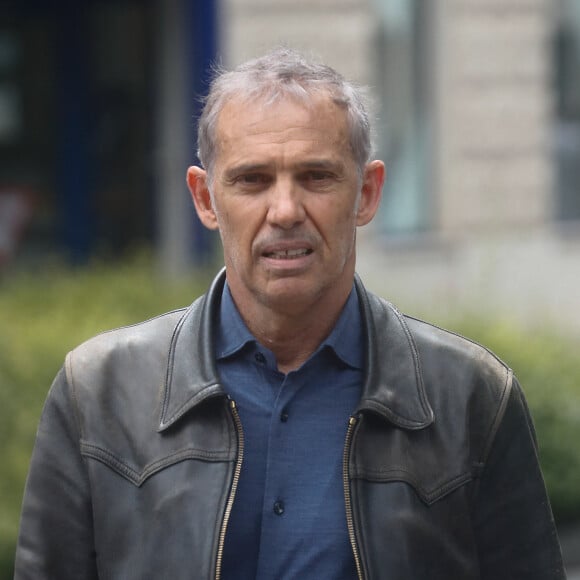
(288, 519)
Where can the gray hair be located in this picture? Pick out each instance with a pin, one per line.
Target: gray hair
(279, 74)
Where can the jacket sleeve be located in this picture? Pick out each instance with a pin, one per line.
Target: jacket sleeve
(56, 538)
(514, 526)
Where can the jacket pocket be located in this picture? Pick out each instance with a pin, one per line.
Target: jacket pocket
(137, 475)
(429, 489)
(432, 463)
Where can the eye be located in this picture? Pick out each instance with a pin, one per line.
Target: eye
(250, 178)
(319, 175)
(252, 181)
(317, 178)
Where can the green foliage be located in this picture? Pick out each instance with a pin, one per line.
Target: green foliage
(44, 315)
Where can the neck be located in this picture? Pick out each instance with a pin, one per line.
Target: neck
(293, 335)
(293, 341)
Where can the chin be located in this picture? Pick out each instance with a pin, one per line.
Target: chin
(293, 294)
(288, 289)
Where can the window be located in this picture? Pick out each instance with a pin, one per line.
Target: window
(567, 125)
(403, 130)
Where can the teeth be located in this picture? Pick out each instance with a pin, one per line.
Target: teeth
(285, 254)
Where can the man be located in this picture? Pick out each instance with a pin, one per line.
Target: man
(289, 424)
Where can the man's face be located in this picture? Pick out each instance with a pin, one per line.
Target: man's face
(286, 200)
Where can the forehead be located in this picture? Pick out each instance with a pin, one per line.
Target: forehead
(317, 119)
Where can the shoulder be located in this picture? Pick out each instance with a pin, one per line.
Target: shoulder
(433, 343)
(437, 345)
(123, 355)
(458, 369)
(453, 368)
(117, 376)
(148, 336)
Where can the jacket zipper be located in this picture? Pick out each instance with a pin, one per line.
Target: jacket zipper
(232, 495)
(347, 497)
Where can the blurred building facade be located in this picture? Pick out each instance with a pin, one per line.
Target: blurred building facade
(479, 122)
(478, 108)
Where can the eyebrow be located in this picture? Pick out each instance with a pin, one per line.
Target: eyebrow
(245, 168)
(320, 164)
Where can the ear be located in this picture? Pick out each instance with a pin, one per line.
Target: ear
(197, 183)
(371, 192)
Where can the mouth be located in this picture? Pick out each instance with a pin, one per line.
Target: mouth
(288, 254)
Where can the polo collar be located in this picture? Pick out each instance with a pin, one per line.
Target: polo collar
(232, 333)
(345, 340)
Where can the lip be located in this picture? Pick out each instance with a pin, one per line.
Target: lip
(290, 257)
(289, 246)
(287, 253)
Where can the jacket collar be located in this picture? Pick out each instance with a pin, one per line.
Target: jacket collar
(393, 385)
(191, 376)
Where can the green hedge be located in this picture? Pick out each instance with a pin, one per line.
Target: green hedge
(44, 315)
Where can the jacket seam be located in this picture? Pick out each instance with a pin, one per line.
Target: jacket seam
(139, 477)
(142, 322)
(497, 420)
(71, 383)
(70, 380)
(397, 473)
(458, 335)
(396, 418)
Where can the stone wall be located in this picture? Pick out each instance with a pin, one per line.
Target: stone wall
(494, 109)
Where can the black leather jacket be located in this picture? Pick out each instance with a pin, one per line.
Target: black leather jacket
(138, 453)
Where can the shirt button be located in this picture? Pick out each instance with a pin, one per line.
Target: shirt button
(260, 358)
(279, 507)
(284, 416)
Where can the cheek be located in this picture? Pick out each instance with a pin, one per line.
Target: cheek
(235, 231)
(347, 229)
(346, 221)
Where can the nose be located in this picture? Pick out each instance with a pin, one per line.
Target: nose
(286, 205)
